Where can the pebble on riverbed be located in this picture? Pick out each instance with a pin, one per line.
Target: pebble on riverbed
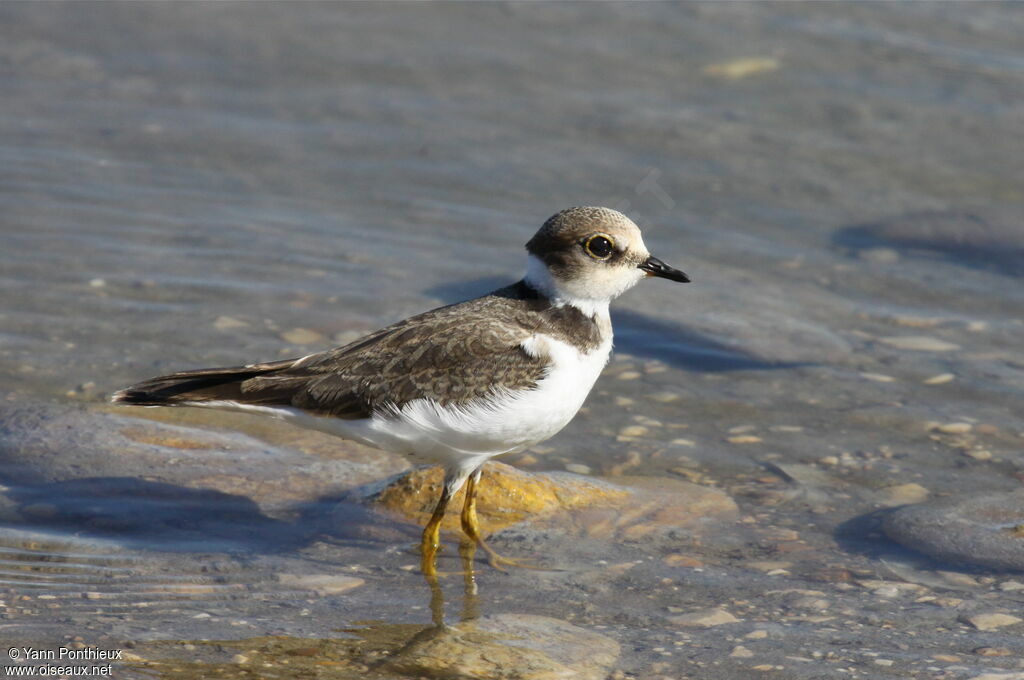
(989, 621)
(951, 428)
(707, 618)
(303, 336)
(321, 584)
(741, 68)
(918, 343)
(902, 494)
(226, 323)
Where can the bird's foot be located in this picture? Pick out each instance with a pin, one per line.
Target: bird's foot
(500, 562)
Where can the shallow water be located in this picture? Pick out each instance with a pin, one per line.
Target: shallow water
(189, 185)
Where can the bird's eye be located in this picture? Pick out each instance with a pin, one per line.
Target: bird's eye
(599, 247)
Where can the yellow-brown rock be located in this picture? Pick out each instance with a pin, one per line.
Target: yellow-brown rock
(505, 495)
(584, 505)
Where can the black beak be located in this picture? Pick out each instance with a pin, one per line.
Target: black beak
(655, 267)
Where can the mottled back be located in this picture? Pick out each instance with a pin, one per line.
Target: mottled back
(451, 355)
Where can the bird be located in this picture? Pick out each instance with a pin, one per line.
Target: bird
(457, 385)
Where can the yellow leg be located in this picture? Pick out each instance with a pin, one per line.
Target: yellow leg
(471, 527)
(431, 541)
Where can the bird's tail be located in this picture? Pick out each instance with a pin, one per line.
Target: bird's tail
(195, 387)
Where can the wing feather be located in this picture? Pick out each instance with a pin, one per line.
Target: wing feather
(451, 355)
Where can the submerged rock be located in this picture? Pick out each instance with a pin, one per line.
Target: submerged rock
(497, 647)
(506, 495)
(103, 474)
(584, 505)
(981, 237)
(508, 647)
(986, 531)
(48, 446)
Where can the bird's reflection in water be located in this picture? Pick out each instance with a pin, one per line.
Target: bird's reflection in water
(470, 600)
(470, 592)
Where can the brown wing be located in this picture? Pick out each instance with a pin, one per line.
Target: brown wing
(450, 358)
(451, 355)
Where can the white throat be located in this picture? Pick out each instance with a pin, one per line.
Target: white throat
(539, 278)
